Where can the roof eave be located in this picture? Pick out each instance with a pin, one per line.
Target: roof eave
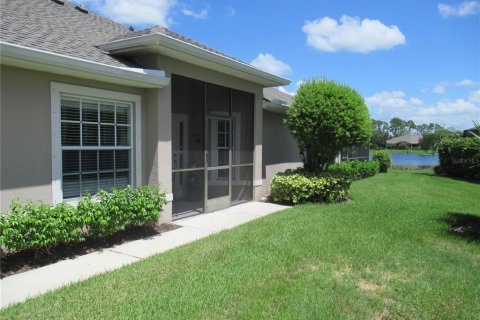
(40, 60)
(275, 107)
(167, 45)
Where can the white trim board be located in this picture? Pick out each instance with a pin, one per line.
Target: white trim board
(60, 88)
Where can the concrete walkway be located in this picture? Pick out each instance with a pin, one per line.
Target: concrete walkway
(19, 287)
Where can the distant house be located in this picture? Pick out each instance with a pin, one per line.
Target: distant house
(471, 132)
(410, 140)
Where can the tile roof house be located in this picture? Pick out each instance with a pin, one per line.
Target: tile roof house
(407, 139)
(89, 104)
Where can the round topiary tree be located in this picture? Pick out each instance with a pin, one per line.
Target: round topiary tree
(325, 117)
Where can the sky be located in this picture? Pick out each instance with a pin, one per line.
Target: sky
(414, 59)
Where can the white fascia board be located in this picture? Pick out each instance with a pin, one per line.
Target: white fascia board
(40, 60)
(158, 40)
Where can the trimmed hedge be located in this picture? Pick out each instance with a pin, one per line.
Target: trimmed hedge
(296, 186)
(460, 157)
(37, 226)
(355, 169)
(384, 160)
(41, 226)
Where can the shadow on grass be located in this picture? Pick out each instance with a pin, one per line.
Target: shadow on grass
(432, 174)
(463, 225)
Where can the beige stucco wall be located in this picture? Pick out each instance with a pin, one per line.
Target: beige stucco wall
(25, 113)
(280, 150)
(26, 152)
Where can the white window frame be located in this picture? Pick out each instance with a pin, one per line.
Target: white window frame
(57, 89)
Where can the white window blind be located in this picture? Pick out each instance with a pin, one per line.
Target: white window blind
(96, 138)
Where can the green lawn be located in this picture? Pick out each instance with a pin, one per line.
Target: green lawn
(386, 255)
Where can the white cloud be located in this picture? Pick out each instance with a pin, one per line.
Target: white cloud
(134, 12)
(202, 14)
(299, 83)
(439, 88)
(231, 12)
(292, 93)
(474, 97)
(269, 63)
(465, 8)
(466, 83)
(451, 113)
(392, 99)
(351, 34)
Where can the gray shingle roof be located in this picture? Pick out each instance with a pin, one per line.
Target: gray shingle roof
(271, 94)
(62, 29)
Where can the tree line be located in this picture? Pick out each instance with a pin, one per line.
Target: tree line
(431, 133)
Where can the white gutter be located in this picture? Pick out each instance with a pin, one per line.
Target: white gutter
(159, 42)
(275, 106)
(40, 60)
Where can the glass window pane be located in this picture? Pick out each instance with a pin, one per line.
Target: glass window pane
(107, 135)
(105, 160)
(123, 136)
(70, 161)
(223, 157)
(242, 184)
(107, 112)
(106, 181)
(122, 179)
(187, 123)
(71, 186)
(89, 184)
(188, 191)
(89, 110)
(89, 161)
(89, 134)
(123, 113)
(70, 108)
(243, 127)
(70, 134)
(122, 159)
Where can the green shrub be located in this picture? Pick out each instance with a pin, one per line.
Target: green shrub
(324, 117)
(355, 169)
(384, 159)
(295, 186)
(121, 208)
(460, 157)
(40, 226)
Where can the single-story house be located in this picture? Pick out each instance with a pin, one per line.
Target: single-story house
(90, 104)
(410, 140)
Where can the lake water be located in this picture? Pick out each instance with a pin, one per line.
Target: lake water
(414, 160)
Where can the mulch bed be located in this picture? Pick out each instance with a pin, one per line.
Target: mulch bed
(31, 259)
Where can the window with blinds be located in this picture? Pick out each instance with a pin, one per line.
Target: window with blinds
(96, 140)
